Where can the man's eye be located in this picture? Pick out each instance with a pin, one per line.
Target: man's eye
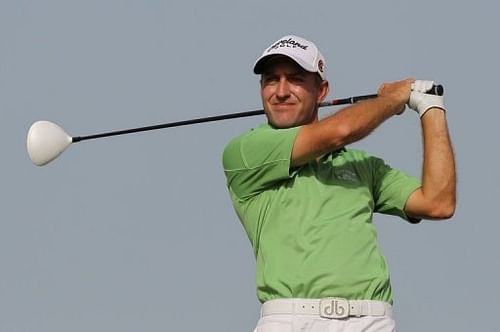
(297, 78)
(270, 79)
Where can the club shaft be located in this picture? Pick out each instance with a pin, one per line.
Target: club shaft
(334, 102)
(169, 125)
(437, 89)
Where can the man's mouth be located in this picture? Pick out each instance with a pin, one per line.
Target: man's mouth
(283, 106)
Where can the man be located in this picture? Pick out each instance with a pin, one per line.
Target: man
(306, 202)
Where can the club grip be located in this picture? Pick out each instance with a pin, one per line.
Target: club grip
(437, 90)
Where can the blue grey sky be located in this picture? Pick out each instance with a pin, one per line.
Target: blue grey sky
(137, 233)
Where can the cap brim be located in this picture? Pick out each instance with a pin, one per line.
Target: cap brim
(261, 62)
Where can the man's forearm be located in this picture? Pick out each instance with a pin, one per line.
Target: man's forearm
(342, 128)
(438, 175)
(350, 124)
(361, 119)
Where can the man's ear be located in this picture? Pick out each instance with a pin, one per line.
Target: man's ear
(324, 89)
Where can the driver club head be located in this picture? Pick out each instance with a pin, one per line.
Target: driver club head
(46, 141)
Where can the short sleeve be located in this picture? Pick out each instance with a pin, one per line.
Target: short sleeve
(258, 160)
(392, 188)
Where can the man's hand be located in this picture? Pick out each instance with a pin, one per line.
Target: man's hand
(396, 93)
(422, 102)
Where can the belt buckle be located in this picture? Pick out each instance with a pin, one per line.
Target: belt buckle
(334, 308)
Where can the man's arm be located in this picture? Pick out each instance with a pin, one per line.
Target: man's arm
(437, 196)
(350, 124)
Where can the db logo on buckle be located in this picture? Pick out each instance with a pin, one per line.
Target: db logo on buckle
(334, 307)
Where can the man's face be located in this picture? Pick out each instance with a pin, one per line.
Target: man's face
(290, 94)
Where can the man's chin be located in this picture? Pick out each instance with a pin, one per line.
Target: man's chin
(282, 124)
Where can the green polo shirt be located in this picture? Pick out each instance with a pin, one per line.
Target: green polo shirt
(311, 227)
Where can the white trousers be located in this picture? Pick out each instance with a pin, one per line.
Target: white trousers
(299, 315)
(303, 323)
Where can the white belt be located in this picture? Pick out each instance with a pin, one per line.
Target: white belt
(330, 307)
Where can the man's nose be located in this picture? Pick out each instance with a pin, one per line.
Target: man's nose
(283, 88)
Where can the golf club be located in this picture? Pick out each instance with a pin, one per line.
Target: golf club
(46, 140)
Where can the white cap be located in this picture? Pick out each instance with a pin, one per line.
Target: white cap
(300, 50)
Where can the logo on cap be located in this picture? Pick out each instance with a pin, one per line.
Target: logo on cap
(286, 43)
(321, 65)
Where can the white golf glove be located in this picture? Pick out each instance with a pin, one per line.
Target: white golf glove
(420, 101)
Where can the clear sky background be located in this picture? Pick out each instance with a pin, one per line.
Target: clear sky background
(137, 233)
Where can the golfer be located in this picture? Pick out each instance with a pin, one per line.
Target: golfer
(307, 202)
